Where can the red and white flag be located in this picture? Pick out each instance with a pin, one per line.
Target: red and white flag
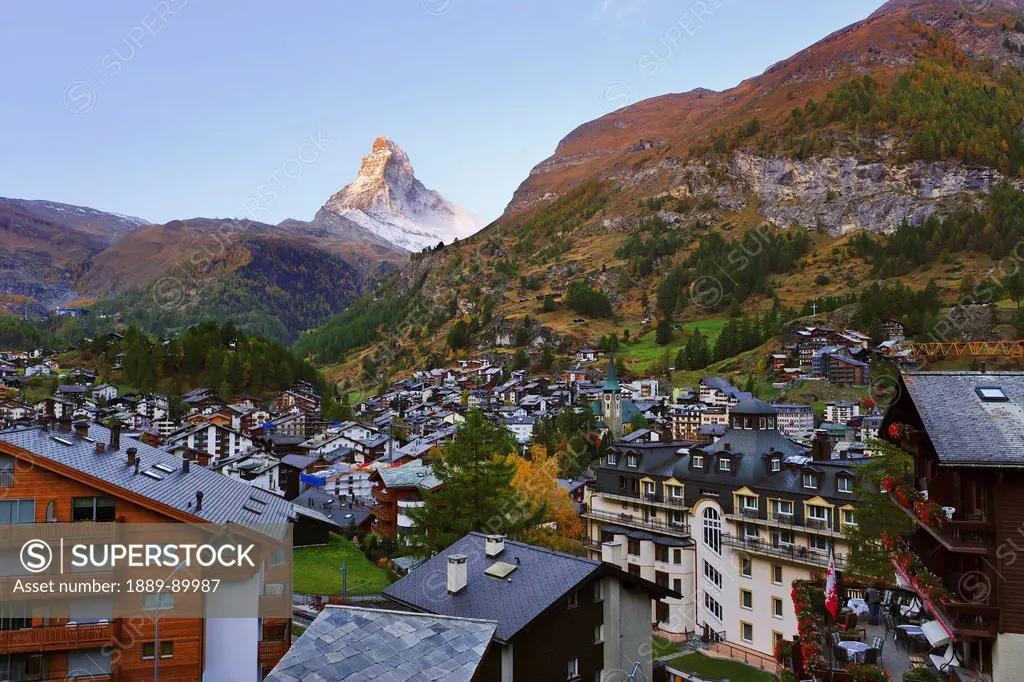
(831, 593)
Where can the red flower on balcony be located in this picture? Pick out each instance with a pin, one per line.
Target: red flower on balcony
(896, 430)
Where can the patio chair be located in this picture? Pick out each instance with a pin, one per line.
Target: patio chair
(872, 656)
(947, 660)
(878, 643)
(890, 624)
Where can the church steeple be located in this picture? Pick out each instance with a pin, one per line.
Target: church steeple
(611, 382)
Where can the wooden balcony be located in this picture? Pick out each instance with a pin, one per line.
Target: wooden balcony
(271, 652)
(56, 638)
(958, 536)
(276, 632)
(963, 619)
(385, 512)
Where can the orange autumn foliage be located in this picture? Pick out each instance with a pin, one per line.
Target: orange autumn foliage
(536, 479)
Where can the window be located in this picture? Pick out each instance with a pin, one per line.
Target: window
(746, 631)
(92, 509)
(776, 608)
(776, 638)
(574, 669)
(782, 508)
(818, 543)
(776, 574)
(633, 546)
(677, 585)
(649, 488)
(747, 600)
(845, 484)
(748, 531)
(598, 591)
(992, 394)
(17, 511)
(613, 459)
(725, 464)
(713, 529)
(817, 513)
(848, 518)
(631, 461)
(149, 650)
(661, 553)
(713, 575)
(698, 461)
(713, 607)
(776, 464)
(677, 556)
(746, 567)
(574, 599)
(747, 503)
(810, 481)
(598, 633)
(622, 482)
(675, 492)
(782, 537)
(159, 601)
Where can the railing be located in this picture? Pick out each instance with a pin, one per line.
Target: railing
(670, 501)
(6, 478)
(625, 519)
(723, 649)
(797, 553)
(18, 533)
(386, 513)
(960, 536)
(271, 652)
(276, 632)
(52, 637)
(789, 522)
(594, 545)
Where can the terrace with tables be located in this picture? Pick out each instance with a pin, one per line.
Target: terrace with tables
(908, 643)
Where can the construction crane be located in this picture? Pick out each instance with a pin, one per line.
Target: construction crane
(949, 349)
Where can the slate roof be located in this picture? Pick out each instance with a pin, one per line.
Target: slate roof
(348, 644)
(414, 474)
(224, 498)
(541, 578)
(963, 428)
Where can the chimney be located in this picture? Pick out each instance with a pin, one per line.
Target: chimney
(612, 553)
(984, 366)
(199, 503)
(82, 429)
(115, 436)
(494, 545)
(100, 448)
(457, 573)
(821, 446)
(186, 464)
(131, 452)
(64, 422)
(138, 463)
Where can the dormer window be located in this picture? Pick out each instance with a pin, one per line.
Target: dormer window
(845, 484)
(698, 461)
(776, 464)
(725, 464)
(631, 461)
(613, 459)
(810, 481)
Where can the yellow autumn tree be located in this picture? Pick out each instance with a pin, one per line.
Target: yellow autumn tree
(536, 480)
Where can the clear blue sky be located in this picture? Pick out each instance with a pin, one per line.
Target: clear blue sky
(180, 108)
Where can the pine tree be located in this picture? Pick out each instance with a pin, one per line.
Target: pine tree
(476, 492)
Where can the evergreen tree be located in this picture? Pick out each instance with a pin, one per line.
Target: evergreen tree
(476, 492)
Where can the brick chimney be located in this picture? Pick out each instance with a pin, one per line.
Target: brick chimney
(64, 422)
(186, 465)
(457, 573)
(115, 436)
(494, 545)
(82, 429)
(131, 452)
(821, 446)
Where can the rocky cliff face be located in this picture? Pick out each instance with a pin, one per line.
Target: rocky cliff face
(387, 200)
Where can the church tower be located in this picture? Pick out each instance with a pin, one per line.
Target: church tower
(611, 401)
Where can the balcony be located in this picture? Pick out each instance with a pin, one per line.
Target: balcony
(271, 652)
(961, 536)
(631, 521)
(796, 553)
(55, 638)
(385, 512)
(789, 522)
(276, 632)
(965, 619)
(670, 502)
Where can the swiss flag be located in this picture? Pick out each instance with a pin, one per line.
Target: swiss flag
(831, 593)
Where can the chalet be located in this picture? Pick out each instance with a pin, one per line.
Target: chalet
(104, 392)
(396, 489)
(585, 355)
(777, 361)
(255, 468)
(557, 616)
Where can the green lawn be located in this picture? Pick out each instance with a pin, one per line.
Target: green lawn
(663, 647)
(712, 329)
(317, 570)
(718, 669)
(645, 352)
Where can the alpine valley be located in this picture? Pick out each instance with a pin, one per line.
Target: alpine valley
(876, 174)
(163, 277)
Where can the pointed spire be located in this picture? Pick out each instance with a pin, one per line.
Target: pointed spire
(611, 382)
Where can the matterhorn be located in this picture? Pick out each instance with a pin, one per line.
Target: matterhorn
(387, 200)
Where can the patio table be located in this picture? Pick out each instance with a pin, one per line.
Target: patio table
(855, 648)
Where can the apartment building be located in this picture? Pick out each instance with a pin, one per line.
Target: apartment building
(792, 420)
(91, 475)
(685, 421)
(841, 411)
(730, 524)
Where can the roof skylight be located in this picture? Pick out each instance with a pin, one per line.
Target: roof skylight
(991, 394)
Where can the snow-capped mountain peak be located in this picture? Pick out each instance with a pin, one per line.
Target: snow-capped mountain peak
(387, 200)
